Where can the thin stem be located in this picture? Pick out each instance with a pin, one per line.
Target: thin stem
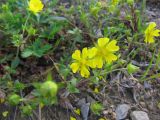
(150, 65)
(40, 113)
(25, 24)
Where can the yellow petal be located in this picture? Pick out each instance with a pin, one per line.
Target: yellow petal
(74, 67)
(77, 111)
(102, 41)
(110, 57)
(156, 33)
(96, 90)
(102, 119)
(76, 55)
(72, 118)
(92, 63)
(92, 52)
(149, 39)
(146, 31)
(84, 53)
(152, 25)
(84, 72)
(35, 6)
(111, 46)
(99, 62)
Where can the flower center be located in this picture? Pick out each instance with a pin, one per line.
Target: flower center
(102, 52)
(83, 61)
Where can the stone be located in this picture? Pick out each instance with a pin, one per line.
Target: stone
(84, 107)
(122, 111)
(85, 111)
(139, 115)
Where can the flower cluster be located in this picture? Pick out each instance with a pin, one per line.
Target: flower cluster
(35, 6)
(95, 57)
(151, 32)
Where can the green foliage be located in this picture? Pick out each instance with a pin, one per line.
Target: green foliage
(50, 36)
(37, 49)
(14, 99)
(71, 86)
(132, 68)
(18, 86)
(48, 89)
(96, 108)
(26, 110)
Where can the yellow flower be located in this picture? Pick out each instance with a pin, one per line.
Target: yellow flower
(104, 52)
(35, 6)
(102, 119)
(77, 111)
(96, 90)
(151, 32)
(81, 62)
(72, 118)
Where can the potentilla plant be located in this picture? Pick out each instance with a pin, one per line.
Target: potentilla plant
(34, 30)
(27, 27)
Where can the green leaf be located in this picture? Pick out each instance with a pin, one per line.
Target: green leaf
(37, 49)
(15, 62)
(27, 110)
(26, 53)
(14, 99)
(19, 86)
(49, 77)
(96, 107)
(5, 114)
(72, 86)
(132, 68)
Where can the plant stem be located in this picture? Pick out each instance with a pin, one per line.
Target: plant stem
(40, 113)
(25, 24)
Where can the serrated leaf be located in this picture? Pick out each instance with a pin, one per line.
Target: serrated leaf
(15, 62)
(26, 53)
(37, 49)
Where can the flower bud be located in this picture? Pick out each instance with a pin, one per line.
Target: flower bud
(14, 99)
(27, 110)
(49, 89)
(132, 68)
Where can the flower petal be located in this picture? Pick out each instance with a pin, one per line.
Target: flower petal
(92, 63)
(35, 6)
(152, 25)
(92, 52)
(74, 67)
(84, 53)
(99, 62)
(102, 42)
(76, 55)
(149, 40)
(84, 72)
(156, 33)
(110, 57)
(111, 46)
